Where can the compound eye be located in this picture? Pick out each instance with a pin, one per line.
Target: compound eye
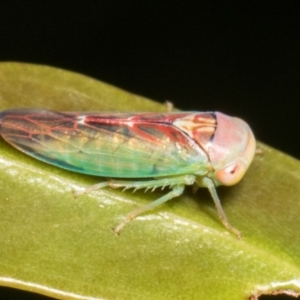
(232, 173)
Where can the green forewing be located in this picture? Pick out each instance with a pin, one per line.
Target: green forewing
(112, 145)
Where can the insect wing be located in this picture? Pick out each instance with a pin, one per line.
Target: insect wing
(103, 144)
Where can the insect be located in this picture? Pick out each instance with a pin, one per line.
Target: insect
(204, 149)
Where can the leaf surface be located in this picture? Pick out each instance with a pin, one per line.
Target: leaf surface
(54, 244)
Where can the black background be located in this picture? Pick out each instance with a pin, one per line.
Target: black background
(241, 58)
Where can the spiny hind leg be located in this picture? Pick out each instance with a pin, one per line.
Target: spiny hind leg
(176, 183)
(175, 192)
(141, 184)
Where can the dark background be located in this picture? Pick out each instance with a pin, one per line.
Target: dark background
(241, 58)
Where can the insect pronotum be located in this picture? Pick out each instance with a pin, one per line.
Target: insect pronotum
(206, 149)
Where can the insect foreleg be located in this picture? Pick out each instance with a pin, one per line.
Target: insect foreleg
(212, 189)
(175, 192)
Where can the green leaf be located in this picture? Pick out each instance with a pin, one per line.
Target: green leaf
(54, 244)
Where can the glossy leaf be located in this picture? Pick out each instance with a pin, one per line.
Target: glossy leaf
(54, 244)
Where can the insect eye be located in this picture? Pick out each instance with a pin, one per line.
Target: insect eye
(232, 173)
(233, 169)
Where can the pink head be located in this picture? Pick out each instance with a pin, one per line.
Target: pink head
(232, 150)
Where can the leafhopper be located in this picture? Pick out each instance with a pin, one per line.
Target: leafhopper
(204, 149)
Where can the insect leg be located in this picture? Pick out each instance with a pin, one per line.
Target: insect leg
(212, 189)
(175, 192)
(142, 184)
(177, 184)
(91, 188)
(170, 106)
(155, 183)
